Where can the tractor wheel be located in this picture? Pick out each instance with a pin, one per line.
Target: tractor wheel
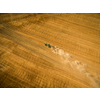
(49, 46)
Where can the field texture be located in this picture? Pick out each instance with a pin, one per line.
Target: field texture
(72, 62)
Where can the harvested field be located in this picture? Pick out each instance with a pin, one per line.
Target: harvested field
(73, 61)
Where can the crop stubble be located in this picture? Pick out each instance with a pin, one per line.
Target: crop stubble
(26, 62)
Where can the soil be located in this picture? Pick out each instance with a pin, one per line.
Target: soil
(73, 61)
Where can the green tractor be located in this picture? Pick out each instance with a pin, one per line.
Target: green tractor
(47, 44)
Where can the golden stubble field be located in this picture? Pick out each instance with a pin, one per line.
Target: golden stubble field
(25, 62)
